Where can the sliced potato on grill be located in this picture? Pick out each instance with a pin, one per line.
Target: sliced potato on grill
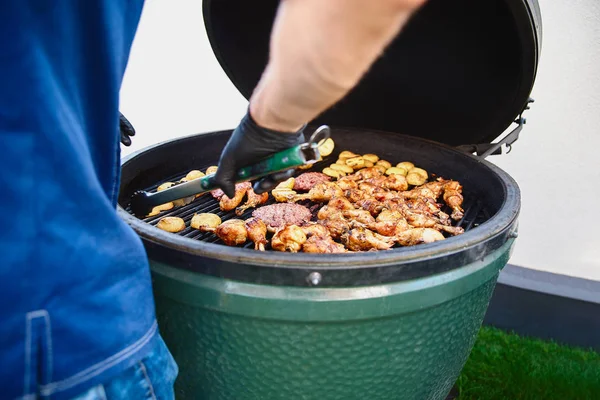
(356, 162)
(183, 202)
(333, 173)
(347, 154)
(211, 170)
(368, 164)
(416, 176)
(171, 224)
(395, 171)
(206, 222)
(283, 195)
(371, 157)
(341, 161)
(160, 208)
(344, 168)
(384, 163)
(287, 184)
(407, 165)
(164, 186)
(194, 174)
(326, 147)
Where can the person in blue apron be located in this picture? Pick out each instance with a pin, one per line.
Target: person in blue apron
(77, 313)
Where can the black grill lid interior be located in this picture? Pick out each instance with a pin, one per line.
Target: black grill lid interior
(460, 73)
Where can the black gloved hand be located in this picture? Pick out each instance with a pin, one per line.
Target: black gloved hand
(248, 145)
(126, 130)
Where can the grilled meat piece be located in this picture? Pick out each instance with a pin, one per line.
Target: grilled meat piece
(321, 193)
(232, 232)
(367, 173)
(346, 183)
(252, 201)
(218, 193)
(362, 239)
(227, 204)
(257, 232)
(326, 245)
(340, 203)
(453, 230)
(453, 197)
(390, 223)
(279, 215)
(416, 236)
(362, 216)
(291, 238)
(371, 205)
(335, 223)
(314, 229)
(306, 181)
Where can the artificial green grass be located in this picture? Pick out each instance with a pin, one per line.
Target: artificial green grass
(507, 366)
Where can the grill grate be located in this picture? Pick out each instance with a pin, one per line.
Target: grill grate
(474, 211)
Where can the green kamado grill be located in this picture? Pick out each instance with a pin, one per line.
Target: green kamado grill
(395, 324)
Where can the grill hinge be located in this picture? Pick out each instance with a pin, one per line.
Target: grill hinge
(486, 149)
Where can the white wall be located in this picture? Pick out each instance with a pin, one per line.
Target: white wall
(175, 87)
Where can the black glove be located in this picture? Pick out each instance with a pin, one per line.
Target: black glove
(248, 145)
(126, 130)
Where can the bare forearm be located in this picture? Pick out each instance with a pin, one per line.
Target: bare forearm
(320, 49)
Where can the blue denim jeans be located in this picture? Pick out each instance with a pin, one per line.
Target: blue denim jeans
(151, 378)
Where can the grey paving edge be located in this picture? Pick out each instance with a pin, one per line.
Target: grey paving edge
(547, 305)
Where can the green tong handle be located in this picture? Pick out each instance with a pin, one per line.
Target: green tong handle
(143, 202)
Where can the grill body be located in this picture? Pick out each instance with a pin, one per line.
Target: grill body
(385, 325)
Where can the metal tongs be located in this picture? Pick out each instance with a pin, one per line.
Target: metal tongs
(143, 202)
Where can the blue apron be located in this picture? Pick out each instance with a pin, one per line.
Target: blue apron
(76, 304)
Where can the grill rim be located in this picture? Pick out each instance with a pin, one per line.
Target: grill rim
(454, 252)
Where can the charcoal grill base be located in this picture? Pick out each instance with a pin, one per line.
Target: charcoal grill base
(241, 341)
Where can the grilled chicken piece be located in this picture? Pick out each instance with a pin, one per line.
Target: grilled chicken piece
(335, 222)
(206, 222)
(362, 216)
(346, 183)
(453, 197)
(257, 232)
(356, 195)
(252, 201)
(395, 182)
(340, 203)
(227, 204)
(367, 173)
(361, 239)
(416, 236)
(218, 193)
(317, 244)
(390, 223)
(371, 205)
(232, 232)
(291, 238)
(431, 189)
(453, 230)
(370, 189)
(321, 193)
(314, 229)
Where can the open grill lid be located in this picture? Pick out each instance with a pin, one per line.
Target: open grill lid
(460, 73)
